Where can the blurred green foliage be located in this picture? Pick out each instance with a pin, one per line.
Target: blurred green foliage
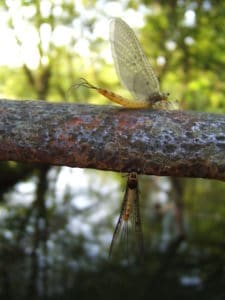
(41, 257)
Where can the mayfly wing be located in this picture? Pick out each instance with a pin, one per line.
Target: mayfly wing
(132, 66)
(136, 218)
(137, 224)
(119, 223)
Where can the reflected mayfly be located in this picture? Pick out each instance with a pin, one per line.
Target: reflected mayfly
(133, 69)
(129, 212)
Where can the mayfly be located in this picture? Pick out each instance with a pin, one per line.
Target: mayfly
(133, 69)
(129, 212)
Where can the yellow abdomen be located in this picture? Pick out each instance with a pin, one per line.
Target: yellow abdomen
(123, 101)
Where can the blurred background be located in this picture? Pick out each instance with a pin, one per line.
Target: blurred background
(56, 223)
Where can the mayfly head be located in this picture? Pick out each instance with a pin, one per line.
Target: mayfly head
(157, 97)
(165, 95)
(132, 181)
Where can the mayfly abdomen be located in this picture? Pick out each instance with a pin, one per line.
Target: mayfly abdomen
(132, 184)
(128, 206)
(121, 100)
(112, 96)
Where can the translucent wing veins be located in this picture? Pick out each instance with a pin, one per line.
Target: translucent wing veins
(132, 66)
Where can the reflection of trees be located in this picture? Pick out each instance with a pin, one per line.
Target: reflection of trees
(40, 237)
(68, 263)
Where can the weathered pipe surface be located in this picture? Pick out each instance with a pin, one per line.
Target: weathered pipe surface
(173, 143)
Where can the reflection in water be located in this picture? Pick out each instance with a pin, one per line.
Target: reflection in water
(73, 260)
(130, 212)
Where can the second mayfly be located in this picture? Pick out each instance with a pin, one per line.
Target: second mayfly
(130, 212)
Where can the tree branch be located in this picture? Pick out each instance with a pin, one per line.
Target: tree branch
(174, 143)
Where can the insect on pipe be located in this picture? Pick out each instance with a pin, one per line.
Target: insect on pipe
(133, 69)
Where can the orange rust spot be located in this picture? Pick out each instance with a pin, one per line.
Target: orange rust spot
(75, 121)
